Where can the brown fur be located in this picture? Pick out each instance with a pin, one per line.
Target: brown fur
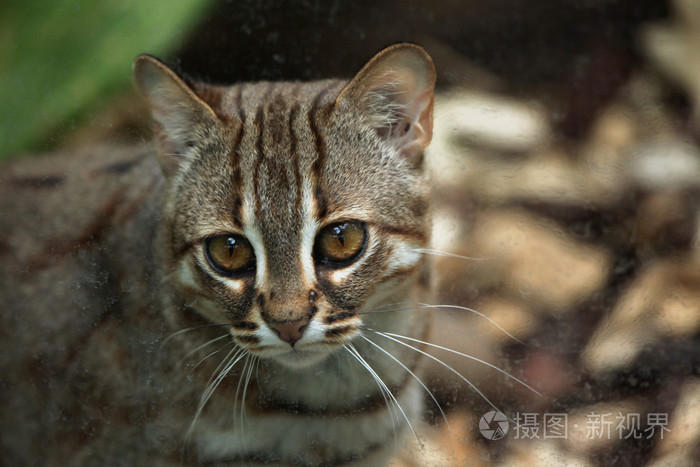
(102, 261)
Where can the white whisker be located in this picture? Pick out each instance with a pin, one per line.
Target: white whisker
(457, 307)
(415, 377)
(441, 363)
(227, 346)
(388, 391)
(247, 371)
(388, 305)
(435, 307)
(382, 388)
(226, 365)
(168, 277)
(447, 254)
(200, 347)
(238, 389)
(386, 310)
(186, 330)
(386, 334)
(244, 417)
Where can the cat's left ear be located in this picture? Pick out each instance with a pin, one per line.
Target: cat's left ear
(395, 92)
(182, 117)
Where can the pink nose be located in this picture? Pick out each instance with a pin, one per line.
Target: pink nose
(290, 332)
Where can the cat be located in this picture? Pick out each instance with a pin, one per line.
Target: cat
(226, 297)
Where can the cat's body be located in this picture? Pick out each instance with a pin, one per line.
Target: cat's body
(290, 213)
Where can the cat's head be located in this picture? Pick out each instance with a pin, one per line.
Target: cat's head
(293, 207)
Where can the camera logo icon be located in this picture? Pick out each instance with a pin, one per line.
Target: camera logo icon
(493, 425)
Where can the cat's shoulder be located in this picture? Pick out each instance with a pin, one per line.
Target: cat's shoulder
(64, 217)
(65, 199)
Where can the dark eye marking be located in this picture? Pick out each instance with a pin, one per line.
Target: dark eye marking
(245, 325)
(342, 316)
(338, 331)
(248, 339)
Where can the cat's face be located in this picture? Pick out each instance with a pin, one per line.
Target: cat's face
(292, 208)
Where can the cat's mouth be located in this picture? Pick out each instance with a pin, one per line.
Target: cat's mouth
(301, 358)
(297, 356)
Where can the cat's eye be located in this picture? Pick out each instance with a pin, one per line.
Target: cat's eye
(229, 254)
(340, 243)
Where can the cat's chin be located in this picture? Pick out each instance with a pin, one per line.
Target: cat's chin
(300, 358)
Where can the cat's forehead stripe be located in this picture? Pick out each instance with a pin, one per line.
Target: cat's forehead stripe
(236, 179)
(295, 154)
(259, 145)
(277, 187)
(320, 147)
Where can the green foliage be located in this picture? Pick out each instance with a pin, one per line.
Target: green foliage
(59, 59)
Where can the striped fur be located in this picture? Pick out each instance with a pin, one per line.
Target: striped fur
(277, 163)
(274, 163)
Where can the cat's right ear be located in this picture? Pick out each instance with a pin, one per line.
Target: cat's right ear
(180, 115)
(395, 92)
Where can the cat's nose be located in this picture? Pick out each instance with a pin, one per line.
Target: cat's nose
(290, 332)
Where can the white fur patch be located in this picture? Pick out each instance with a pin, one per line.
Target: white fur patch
(185, 276)
(308, 233)
(255, 238)
(268, 338)
(252, 233)
(404, 255)
(315, 332)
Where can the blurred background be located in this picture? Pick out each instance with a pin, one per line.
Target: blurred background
(566, 184)
(60, 64)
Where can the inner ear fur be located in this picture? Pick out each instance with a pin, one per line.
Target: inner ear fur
(395, 92)
(180, 114)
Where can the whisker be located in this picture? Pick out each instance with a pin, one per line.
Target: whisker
(437, 404)
(478, 313)
(223, 373)
(223, 362)
(457, 307)
(257, 368)
(379, 380)
(198, 348)
(387, 305)
(244, 417)
(211, 388)
(229, 345)
(386, 334)
(382, 389)
(226, 365)
(441, 363)
(390, 307)
(167, 277)
(238, 389)
(448, 254)
(247, 371)
(386, 310)
(193, 328)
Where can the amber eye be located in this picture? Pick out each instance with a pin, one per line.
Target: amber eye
(340, 243)
(229, 254)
